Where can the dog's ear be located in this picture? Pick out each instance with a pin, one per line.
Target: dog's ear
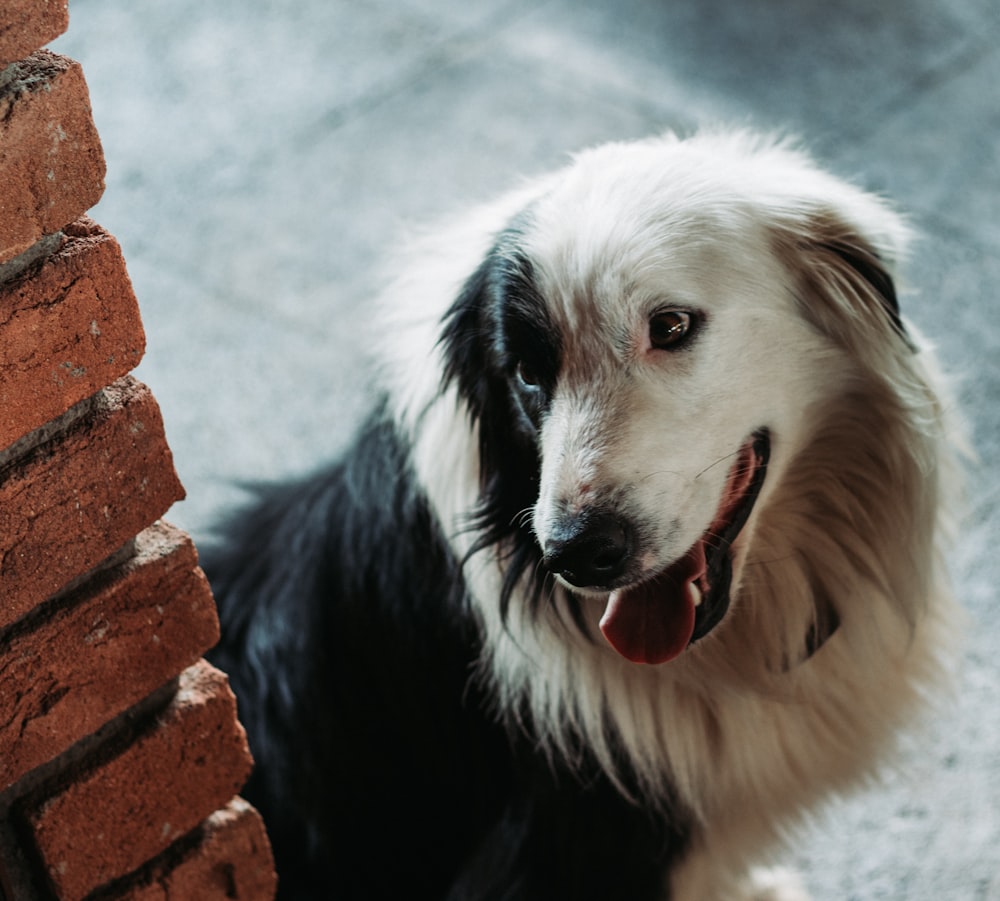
(474, 351)
(847, 285)
(497, 320)
(464, 337)
(472, 344)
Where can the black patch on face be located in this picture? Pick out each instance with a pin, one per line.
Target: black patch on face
(503, 353)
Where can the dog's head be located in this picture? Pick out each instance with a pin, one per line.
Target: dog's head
(644, 350)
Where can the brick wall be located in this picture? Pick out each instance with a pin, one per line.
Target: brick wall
(120, 750)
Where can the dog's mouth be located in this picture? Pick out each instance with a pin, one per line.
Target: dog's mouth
(655, 620)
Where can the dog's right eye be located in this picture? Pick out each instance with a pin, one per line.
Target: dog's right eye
(530, 392)
(526, 377)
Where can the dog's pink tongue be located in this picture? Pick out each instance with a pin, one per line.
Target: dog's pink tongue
(653, 622)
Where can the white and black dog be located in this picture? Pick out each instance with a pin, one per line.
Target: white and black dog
(639, 557)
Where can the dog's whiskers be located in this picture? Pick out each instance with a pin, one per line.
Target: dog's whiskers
(523, 517)
(716, 463)
(660, 472)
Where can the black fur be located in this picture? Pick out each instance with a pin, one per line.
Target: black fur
(382, 769)
(497, 324)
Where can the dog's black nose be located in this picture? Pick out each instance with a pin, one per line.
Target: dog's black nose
(591, 550)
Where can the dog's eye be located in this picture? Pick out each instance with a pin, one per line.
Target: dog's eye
(530, 391)
(526, 377)
(669, 329)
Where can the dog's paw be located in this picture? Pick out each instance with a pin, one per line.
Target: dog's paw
(774, 884)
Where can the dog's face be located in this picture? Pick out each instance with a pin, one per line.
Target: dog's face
(638, 344)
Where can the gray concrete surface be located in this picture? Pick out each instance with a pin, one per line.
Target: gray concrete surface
(263, 155)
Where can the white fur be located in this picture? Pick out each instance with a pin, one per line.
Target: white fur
(749, 732)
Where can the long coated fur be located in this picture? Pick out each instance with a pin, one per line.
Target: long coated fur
(638, 558)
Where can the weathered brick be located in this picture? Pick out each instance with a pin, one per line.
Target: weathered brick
(151, 616)
(51, 162)
(30, 24)
(74, 499)
(69, 325)
(232, 859)
(191, 762)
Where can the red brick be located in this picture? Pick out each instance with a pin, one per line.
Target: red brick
(30, 24)
(73, 500)
(51, 162)
(131, 808)
(68, 327)
(231, 860)
(152, 616)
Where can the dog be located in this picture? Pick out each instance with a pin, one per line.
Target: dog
(638, 558)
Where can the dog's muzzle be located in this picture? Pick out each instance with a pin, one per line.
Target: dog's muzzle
(651, 617)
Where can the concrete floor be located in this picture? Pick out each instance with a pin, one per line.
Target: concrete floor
(262, 156)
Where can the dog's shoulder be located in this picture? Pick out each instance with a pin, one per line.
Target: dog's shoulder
(353, 543)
